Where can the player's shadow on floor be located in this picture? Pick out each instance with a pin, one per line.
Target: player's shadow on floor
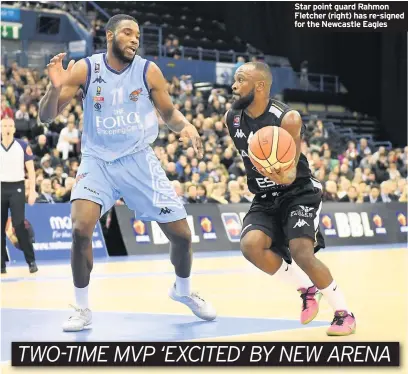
(195, 329)
(81, 336)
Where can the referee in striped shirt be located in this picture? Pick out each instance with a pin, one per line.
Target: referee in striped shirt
(15, 154)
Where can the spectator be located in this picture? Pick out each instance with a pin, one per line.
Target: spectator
(247, 196)
(330, 193)
(41, 149)
(192, 194)
(171, 171)
(201, 193)
(45, 195)
(363, 147)
(6, 111)
(22, 113)
(218, 194)
(386, 194)
(404, 196)
(179, 190)
(374, 195)
(400, 186)
(68, 138)
(393, 172)
(234, 192)
(351, 196)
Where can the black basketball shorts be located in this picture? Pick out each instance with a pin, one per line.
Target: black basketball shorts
(294, 214)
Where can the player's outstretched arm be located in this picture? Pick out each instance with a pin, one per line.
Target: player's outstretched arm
(64, 84)
(173, 118)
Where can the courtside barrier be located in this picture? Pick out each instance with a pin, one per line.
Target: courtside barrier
(214, 228)
(50, 228)
(218, 227)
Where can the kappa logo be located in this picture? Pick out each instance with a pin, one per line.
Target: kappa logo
(237, 120)
(99, 80)
(301, 223)
(165, 210)
(239, 134)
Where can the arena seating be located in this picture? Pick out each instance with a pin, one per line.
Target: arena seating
(331, 128)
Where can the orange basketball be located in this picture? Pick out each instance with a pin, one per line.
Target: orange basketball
(274, 147)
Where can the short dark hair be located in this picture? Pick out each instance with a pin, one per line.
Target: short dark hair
(263, 68)
(116, 19)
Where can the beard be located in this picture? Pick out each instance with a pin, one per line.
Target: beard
(244, 101)
(118, 53)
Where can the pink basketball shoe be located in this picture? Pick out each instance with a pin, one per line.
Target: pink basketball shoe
(310, 306)
(343, 324)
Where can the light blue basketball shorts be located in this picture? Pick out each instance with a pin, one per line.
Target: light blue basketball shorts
(138, 178)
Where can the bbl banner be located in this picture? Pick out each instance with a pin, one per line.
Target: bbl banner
(50, 229)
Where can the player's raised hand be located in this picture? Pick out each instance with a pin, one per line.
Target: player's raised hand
(58, 75)
(191, 132)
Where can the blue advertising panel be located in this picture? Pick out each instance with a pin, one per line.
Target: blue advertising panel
(10, 14)
(50, 228)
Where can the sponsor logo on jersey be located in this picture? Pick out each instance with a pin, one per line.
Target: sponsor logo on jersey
(98, 91)
(118, 124)
(134, 95)
(97, 107)
(97, 68)
(237, 119)
(98, 98)
(304, 211)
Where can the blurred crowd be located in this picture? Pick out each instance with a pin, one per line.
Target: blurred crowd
(353, 173)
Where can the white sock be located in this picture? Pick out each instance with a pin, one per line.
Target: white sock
(335, 297)
(293, 274)
(81, 297)
(183, 286)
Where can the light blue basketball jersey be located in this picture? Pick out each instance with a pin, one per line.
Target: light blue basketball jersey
(119, 117)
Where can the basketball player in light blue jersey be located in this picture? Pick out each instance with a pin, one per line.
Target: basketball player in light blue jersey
(120, 93)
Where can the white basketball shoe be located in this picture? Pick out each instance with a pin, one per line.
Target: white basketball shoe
(81, 320)
(201, 308)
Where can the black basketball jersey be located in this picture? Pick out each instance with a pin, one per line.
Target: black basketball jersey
(242, 127)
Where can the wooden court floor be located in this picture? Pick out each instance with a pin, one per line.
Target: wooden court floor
(129, 300)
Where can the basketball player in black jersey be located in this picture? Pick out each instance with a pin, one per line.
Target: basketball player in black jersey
(283, 221)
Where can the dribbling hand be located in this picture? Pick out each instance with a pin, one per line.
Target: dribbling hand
(58, 75)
